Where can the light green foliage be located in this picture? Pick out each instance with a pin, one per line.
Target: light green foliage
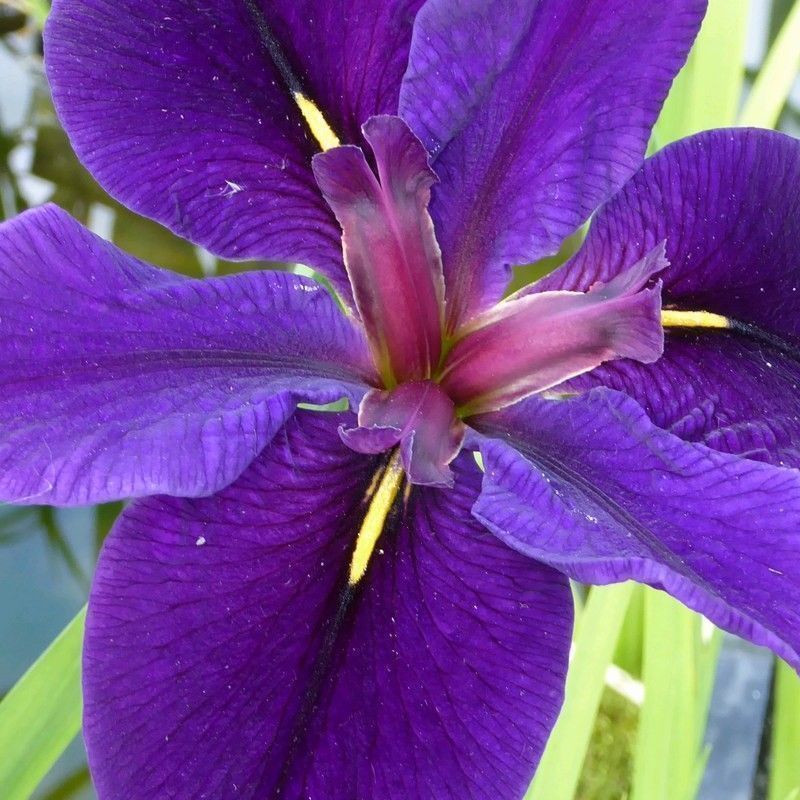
(607, 769)
(37, 9)
(707, 92)
(678, 665)
(41, 715)
(596, 635)
(784, 773)
(775, 80)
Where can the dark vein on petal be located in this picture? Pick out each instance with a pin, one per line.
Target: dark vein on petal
(322, 673)
(312, 116)
(747, 330)
(273, 47)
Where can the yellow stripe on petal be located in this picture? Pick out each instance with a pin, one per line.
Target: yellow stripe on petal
(380, 504)
(317, 123)
(693, 319)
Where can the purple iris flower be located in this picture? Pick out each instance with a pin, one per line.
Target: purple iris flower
(304, 604)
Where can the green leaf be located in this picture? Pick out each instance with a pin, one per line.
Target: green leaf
(707, 92)
(678, 667)
(775, 80)
(784, 773)
(594, 642)
(41, 715)
(38, 9)
(628, 655)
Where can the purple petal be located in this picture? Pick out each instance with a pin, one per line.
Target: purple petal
(178, 111)
(208, 618)
(593, 488)
(537, 113)
(530, 344)
(419, 416)
(729, 393)
(390, 249)
(727, 204)
(118, 379)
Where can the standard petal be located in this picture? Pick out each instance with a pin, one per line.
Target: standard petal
(537, 112)
(178, 111)
(118, 379)
(727, 204)
(593, 488)
(203, 667)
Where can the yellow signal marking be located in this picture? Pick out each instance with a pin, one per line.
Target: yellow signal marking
(693, 319)
(317, 124)
(379, 507)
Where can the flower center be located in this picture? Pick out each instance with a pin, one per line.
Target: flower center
(420, 418)
(524, 345)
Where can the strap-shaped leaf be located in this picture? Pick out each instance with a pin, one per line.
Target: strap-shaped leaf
(41, 715)
(595, 639)
(777, 76)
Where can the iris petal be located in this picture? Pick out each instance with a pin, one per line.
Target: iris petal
(593, 488)
(119, 379)
(178, 111)
(206, 622)
(536, 112)
(727, 204)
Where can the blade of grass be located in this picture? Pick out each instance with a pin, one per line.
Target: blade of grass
(594, 642)
(41, 714)
(777, 76)
(708, 642)
(707, 92)
(678, 665)
(628, 654)
(58, 542)
(784, 773)
(73, 785)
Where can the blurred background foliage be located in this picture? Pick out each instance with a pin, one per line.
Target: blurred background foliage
(660, 706)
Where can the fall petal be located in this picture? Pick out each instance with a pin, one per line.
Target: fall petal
(593, 488)
(219, 653)
(178, 110)
(119, 379)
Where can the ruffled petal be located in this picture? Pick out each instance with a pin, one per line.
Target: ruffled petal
(729, 393)
(118, 379)
(593, 488)
(179, 112)
(219, 655)
(537, 113)
(727, 204)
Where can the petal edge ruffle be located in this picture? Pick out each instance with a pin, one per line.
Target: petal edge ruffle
(593, 488)
(120, 380)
